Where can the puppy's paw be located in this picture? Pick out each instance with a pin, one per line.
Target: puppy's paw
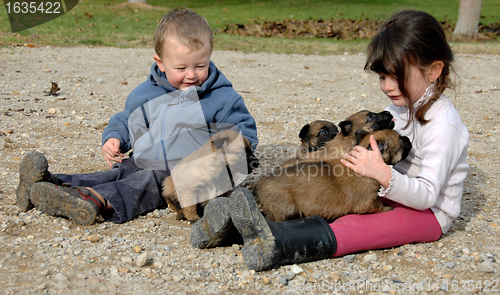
(386, 208)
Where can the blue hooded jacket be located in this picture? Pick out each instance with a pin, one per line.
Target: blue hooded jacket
(219, 102)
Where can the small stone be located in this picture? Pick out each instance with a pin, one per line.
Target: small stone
(42, 287)
(447, 275)
(387, 267)
(142, 260)
(7, 131)
(45, 272)
(486, 266)
(60, 277)
(266, 280)
(137, 249)
(296, 269)
(369, 258)
(283, 281)
(93, 238)
(349, 257)
(450, 265)
(53, 111)
(335, 277)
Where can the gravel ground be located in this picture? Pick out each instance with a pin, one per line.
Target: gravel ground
(152, 254)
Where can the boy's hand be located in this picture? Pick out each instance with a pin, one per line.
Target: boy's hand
(368, 163)
(111, 151)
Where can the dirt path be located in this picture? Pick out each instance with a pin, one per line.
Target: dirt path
(42, 254)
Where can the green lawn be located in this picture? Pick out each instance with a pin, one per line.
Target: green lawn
(116, 23)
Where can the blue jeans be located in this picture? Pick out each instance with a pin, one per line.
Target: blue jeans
(131, 190)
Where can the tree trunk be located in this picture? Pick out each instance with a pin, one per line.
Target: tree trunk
(468, 19)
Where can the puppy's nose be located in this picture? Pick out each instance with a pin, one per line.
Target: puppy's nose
(253, 163)
(386, 115)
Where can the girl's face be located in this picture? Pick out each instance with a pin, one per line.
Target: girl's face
(417, 83)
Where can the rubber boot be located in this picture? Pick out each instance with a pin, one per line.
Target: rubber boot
(269, 244)
(215, 228)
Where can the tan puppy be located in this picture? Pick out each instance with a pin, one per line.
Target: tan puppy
(325, 187)
(212, 170)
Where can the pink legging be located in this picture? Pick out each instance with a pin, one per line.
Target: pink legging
(397, 227)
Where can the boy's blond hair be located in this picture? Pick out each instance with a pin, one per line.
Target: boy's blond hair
(190, 28)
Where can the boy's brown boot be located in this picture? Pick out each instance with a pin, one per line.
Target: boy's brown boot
(78, 204)
(32, 169)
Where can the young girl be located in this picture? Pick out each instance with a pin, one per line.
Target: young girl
(413, 60)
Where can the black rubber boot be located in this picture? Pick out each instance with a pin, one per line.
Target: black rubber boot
(78, 204)
(215, 228)
(32, 169)
(269, 244)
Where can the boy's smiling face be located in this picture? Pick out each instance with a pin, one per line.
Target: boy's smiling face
(183, 66)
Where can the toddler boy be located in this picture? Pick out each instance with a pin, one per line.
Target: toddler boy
(165, 118)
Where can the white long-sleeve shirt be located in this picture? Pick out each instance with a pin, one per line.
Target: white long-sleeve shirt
(433, 174)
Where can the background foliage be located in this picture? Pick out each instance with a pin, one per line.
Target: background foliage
(118, 23)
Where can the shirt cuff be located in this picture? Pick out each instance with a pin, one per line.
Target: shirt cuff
(384, 191)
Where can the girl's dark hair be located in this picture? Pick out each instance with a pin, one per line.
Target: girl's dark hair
(411, 37)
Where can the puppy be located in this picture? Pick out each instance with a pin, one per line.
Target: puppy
(314, 135)
(213, 170)
(325, 187)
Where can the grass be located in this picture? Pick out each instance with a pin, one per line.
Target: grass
(117, 23)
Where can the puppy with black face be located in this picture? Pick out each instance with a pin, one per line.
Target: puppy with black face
(314, 135)
(213, 170)
(324, 186)
(366, 121)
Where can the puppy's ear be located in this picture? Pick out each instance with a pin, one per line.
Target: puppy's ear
(219, 143)
(360, 134)
(304, 131)
(346, 127)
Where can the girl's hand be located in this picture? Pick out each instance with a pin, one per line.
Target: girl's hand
(111, 151)
(368, 163)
